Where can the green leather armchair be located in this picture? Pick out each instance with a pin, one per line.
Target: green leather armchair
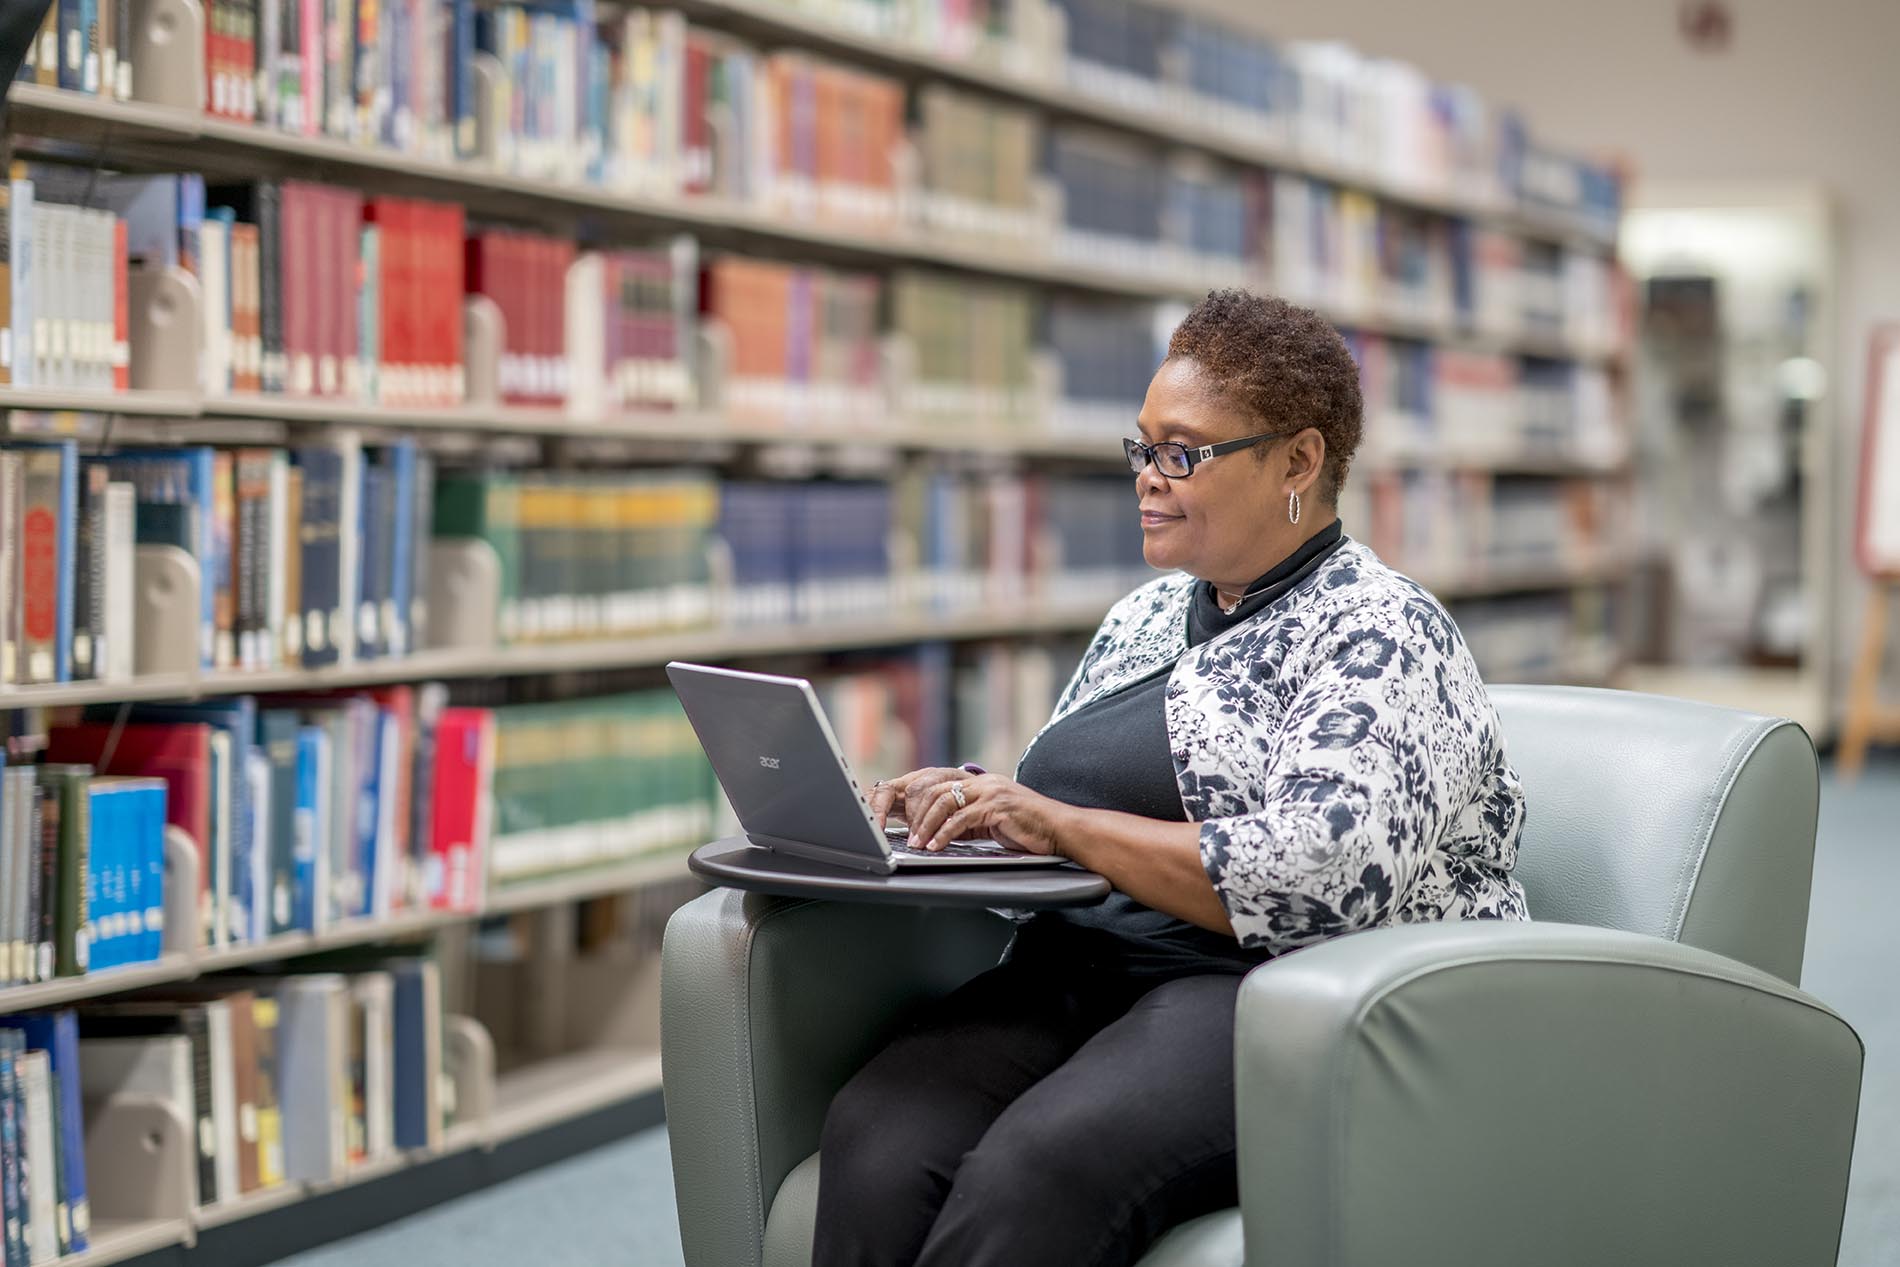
(1631, 1078)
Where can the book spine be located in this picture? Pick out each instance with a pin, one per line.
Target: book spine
(41, 579)
(12, 1189)
(12, 500)
(270, 272)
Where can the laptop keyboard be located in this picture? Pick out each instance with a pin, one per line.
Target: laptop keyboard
(952, 850)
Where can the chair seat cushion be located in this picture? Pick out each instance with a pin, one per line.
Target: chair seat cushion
(1213, 1240)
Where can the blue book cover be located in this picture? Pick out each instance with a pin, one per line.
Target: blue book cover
(12, 1134)
(130, 933)
(367, 725)
(401, 460)
(101, 877)
(312, 831)
(153, 802)
(416, 1001)
(72, 46)
(373, 564)
(57, 1034)
(322, 544)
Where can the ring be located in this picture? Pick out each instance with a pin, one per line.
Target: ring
(956, 791)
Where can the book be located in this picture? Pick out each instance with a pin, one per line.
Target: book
(57, 1034)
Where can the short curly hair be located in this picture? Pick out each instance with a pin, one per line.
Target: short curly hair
(1285, 364)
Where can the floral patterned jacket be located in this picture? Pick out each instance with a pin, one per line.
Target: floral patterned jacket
(1338, 749)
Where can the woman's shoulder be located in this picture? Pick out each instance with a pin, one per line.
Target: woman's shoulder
(1355, 578)
(1157, 598)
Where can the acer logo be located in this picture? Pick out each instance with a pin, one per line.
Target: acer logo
(770, 763)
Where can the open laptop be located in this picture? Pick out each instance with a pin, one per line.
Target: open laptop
(775, 754)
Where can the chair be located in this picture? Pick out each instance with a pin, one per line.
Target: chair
(1631, 1078)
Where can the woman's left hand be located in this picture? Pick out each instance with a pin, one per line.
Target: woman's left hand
(992, 808)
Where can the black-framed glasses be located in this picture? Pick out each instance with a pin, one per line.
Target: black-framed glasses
(1177, 461)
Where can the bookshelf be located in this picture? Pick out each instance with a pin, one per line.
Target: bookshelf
(1541, 591)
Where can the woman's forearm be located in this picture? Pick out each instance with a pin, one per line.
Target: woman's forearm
(1156, 863)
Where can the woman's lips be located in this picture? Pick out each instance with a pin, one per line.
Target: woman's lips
(1154, 518)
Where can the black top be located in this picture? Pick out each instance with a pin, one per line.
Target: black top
(1114, 755)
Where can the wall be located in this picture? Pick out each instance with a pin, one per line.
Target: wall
(1805, 91)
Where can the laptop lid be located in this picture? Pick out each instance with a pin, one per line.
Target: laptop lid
(777, 758)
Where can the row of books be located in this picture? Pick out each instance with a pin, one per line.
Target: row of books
(283, 1079)
(584, 783)
(311, 290)
(1561, 636)
(1377, 118)
(1467, 525)
(933, 541)
(82, 871)
(644, 101)
(315, 555)
(1426, 401)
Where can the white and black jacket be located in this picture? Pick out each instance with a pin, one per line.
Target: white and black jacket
(1338, 749)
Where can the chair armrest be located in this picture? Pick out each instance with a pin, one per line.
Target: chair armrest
(1505, 1093)
(767, 1006)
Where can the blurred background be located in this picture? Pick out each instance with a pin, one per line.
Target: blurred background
(392, 387)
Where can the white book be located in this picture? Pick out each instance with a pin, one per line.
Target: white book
(12, 481)
(587, 335)
(266, 904)
(224, 1110)
(23, 215)
(375, 998)
(114, 642)
(21, 941)
(214, 271)
(312, 1077)
(222, 915)
(42, 1159)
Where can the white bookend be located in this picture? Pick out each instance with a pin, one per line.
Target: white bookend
(155, 1067)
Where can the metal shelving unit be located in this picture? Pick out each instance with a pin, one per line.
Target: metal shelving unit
(151, 135)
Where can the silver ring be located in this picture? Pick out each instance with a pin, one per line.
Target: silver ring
(956, 791)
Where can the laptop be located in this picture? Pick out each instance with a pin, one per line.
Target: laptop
(779, 761)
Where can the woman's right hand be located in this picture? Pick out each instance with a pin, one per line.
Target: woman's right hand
(907, 796)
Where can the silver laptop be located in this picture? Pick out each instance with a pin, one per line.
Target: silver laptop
(776, 756)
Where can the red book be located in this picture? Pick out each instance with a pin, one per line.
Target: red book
(463, 810)
(298, 306)
(121, 331)
(697, 156)
(346, 218)
(178, 753)
(560, 257)
(446, 297)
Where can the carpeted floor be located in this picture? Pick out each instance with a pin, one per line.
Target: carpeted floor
(614, 1207)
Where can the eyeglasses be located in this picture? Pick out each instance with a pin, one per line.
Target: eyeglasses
(1177, 461)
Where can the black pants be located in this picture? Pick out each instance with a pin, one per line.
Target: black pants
(1051, 1110)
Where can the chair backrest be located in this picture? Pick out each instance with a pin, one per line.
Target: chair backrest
(1666, 817)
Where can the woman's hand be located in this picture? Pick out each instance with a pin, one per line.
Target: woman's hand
(986, 807)
(908, 795)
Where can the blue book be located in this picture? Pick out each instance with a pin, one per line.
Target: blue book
(154, 803)
(323, 594)
(373, 531)
(72, 47)
(367, 725)
(13, 1194)
(57, 1034)
(312, 832)
(401, 460)
(275, 868)
(101, 879)
(417, 1055)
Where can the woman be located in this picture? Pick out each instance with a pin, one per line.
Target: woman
(1280, 741)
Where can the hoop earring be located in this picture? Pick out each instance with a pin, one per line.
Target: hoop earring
(1293, 508)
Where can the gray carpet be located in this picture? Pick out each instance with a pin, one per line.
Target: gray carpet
(614, 1207)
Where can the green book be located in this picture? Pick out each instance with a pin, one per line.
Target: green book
(486, 507)
(69, 822)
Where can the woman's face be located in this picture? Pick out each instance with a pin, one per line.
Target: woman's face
(1227, 522)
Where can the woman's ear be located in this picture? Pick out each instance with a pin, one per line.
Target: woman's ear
(1305, 458)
